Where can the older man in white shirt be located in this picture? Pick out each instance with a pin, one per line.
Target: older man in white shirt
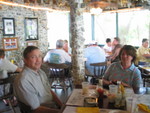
(57, 55)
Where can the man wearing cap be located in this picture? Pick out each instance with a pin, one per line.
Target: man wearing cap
(94, 54)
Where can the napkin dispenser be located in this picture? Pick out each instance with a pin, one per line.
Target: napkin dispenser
(90, 102)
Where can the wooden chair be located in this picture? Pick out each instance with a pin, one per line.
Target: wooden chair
(24, 108)
(145, 76)
(59, 75)
(146, 79)
(6, 86)
(98, 70)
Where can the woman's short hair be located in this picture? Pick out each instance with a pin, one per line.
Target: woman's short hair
(59, 43)
(144, 40)
(130, 50)
(28, 50)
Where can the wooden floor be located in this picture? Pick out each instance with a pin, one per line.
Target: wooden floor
(60, 93)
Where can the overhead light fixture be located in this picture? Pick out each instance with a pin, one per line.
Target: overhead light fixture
(102, 4)
(96, 11)
(97, 6)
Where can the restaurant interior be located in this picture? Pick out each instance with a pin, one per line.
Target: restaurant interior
(41, 23)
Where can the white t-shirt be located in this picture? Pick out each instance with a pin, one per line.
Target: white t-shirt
(107, 48)
(6, 66)
(57, 56)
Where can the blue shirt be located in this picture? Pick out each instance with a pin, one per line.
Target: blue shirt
(130, 76)
(94, 54)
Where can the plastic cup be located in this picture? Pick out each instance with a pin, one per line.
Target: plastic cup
(129, 101)
(113, 89)
(85, 88)
(128, 92)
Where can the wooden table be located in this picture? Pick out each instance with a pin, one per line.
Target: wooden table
(144, 68)
(77, 99)
(71, 109)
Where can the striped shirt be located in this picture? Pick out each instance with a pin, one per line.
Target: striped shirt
(130, 76)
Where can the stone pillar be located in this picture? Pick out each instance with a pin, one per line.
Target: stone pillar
(77, 41)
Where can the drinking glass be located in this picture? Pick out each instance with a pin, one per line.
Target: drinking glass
(85, 87)
(129, 101)
(113, 89)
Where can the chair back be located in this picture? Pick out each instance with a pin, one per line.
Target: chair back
(6, 87)
(59, 70)
(99, 69)
(6, 91)
(146, 79)
(59, 74)
(45, 68)
(24, 108)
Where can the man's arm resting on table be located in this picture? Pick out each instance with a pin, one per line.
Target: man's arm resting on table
(124, 84)
(146, 55)
(43, 109)
(106, 82)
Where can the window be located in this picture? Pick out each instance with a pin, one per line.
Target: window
(58, 27)
(87, 27)
(105, 27)
(134, 26)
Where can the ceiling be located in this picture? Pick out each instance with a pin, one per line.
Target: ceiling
(106, 5)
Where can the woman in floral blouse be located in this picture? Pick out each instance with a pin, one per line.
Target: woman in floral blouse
(124, 70)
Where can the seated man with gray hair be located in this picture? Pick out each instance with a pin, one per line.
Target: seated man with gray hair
(57, 55)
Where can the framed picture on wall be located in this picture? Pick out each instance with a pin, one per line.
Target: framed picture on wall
(10, 43)
(8, 26)
(31, 29)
